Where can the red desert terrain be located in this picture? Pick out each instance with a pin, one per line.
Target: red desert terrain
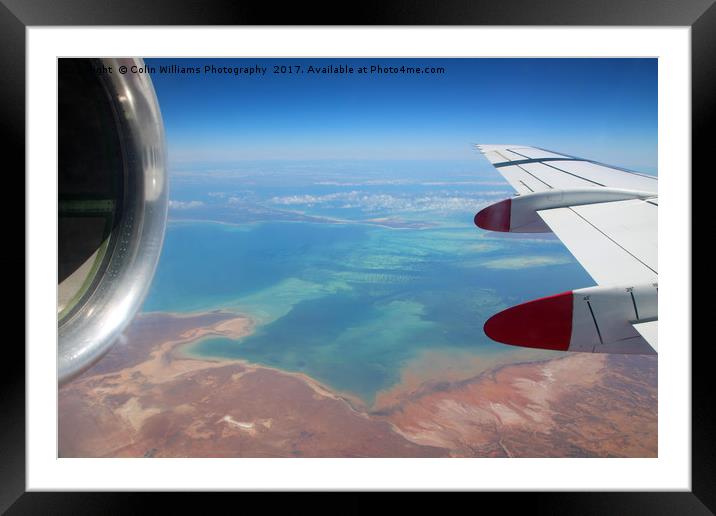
(147, 399)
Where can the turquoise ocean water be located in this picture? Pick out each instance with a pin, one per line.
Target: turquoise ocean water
(350, 275)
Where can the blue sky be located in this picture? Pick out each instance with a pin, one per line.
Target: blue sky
(604, 109)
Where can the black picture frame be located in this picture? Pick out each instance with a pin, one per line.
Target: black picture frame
(17, 15)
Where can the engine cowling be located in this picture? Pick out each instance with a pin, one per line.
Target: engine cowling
(112, 209)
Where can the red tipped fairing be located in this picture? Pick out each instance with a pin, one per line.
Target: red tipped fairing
(544, 323)
(607, 217)
(495, 217)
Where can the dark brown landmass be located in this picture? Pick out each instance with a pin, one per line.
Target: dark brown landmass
(147, 398)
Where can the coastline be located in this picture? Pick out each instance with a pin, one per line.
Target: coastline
(236, 328)
(381, 222)
(167, 404)
(153, 396)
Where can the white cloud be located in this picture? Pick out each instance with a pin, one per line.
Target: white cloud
(185, 205)
(368, 182)
(378, 202)
(381, 182)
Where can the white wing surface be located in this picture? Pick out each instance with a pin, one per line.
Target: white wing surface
(606, 216)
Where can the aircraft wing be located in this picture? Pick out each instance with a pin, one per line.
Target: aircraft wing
(607, 218)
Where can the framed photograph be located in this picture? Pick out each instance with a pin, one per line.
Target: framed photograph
(416, 253)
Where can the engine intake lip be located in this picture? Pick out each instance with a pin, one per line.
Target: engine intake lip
(120, 284)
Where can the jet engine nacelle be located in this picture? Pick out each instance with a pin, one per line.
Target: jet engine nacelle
(112, 208)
